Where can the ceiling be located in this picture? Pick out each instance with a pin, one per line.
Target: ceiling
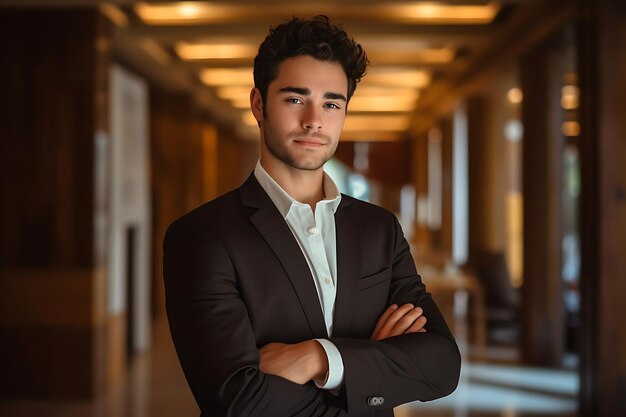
(206, 48)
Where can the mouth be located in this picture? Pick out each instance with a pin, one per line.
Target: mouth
(309, 142)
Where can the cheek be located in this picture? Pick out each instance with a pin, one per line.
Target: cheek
(337, 122)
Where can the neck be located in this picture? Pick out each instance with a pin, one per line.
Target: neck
(302, 185)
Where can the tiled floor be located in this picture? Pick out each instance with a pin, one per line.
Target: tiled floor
(155, 387)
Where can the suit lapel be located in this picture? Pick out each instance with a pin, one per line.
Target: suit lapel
(347, 230)
(271, 225)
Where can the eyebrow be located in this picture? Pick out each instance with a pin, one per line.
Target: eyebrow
(307, 92)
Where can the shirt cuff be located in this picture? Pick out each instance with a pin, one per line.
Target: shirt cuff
(334, 377)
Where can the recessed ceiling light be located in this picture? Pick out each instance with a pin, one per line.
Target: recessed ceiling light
(439, 13)
(376, 123)
(227, 76)
(398, 77)
(198, 51)
(515, 95)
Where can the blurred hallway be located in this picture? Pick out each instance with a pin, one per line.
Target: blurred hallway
(154, 386)
(493, 130)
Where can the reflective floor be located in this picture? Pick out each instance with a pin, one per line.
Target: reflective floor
(155, 387)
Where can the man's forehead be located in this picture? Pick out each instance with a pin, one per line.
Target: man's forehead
(306, 72)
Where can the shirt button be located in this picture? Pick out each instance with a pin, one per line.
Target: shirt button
(313, 230)
(327, 281)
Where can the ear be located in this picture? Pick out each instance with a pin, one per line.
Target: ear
(256, 104)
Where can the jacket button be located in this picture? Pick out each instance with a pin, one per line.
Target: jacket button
(375, 401)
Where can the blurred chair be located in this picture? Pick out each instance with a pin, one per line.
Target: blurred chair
(501, 299)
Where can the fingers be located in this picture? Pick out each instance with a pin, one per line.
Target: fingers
(383, 319)
(418, 325)
(405, 321)
(399, 320)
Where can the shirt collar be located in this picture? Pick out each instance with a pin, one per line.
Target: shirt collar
(283, 201)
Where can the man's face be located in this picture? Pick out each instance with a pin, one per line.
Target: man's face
(304, 114)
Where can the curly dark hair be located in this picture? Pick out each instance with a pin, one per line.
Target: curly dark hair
(316, 37)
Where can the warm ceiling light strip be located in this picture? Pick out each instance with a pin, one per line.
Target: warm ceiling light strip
(183, 12)
(199, 12)
(438, 13)
(234, 92)
(200, 51)
(423, 56)
(382, 104)
(227, 76)
(398, 77)
(376, 123)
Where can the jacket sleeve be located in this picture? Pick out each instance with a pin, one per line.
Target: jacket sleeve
(400, 369)
(214, 338)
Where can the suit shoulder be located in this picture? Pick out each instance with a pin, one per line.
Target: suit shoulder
(369, 210)
(207, 215)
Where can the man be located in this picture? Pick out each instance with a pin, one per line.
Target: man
(284, 297)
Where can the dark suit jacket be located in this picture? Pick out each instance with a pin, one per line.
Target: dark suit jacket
(236, 280)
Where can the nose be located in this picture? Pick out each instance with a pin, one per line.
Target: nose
(311, 118)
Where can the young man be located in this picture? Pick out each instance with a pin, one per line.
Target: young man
(284, 297)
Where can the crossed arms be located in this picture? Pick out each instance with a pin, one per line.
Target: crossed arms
(306, 361)
(217, 324)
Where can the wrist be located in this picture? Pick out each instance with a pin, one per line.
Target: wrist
(318, 361)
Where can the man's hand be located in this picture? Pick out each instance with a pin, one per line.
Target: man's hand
(399, 320)
(299, 362)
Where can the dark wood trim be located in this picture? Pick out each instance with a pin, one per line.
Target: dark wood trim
(602, 61)
(528, 27)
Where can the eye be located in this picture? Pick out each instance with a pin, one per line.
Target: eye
(294, 100)
(331, 106)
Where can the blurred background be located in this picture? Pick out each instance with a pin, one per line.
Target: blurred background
(493, 129)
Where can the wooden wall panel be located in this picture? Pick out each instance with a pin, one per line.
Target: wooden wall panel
(543, 325)
(478, 174)
(236, 160)
(176, 141)
(51, 287)
(47, 130)
(602, 61)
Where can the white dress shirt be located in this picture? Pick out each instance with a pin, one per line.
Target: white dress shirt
(315, 233)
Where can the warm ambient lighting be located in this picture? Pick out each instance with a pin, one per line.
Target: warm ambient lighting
(424, 57)
(234, 92)
(384, 50)
(515, 95)
(227, 76)
(398, 77)
(570, 97)
(570, 129)
(436, 13)
(180, 12)
(189, 9)
(375, 123)
(197, 51)
(382, 104)
(200, 12)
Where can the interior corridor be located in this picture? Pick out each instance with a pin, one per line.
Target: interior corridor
(154, 386)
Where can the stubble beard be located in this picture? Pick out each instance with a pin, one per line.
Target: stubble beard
(279, 149)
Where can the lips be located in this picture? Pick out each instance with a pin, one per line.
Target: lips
(309, 142)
